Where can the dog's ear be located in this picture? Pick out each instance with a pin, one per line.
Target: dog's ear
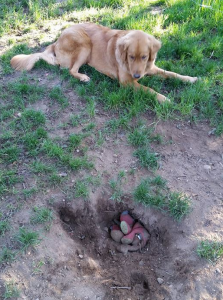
(154, 47)
(122, 45)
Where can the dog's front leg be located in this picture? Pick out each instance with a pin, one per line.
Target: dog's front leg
(161, 98)
(126, 79)
(167, 74)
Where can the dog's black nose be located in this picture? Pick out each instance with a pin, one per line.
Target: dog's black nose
(136, 75)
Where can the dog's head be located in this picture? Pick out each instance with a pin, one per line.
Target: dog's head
(136, 51)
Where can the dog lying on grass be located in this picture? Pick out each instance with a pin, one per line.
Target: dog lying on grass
(126, 55)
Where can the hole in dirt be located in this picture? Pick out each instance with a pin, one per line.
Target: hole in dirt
(138, 278)
(88, 227)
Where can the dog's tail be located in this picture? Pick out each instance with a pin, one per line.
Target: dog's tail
(26, 62)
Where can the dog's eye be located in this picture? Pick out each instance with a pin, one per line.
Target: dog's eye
(143, 57)
(132, 57)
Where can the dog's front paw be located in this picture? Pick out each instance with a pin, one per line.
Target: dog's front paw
(162, 98)
(84, 78)
(191, 79)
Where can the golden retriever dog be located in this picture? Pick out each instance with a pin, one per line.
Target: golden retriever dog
(126, 55)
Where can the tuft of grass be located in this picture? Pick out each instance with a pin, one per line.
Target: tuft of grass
(7, 180)
(140, 193)
(30, 120)
(91, 108)
(210, 250)
(93, 180)
(37, 267)
(24, 91)
(11, 291)
(75, 120)
(116, 186)
(81, 189)
(29, 192)
(89, 127)
(7, 255)
(144, 194)
(27, 238)
(57, 94)
(153, 192)
(158, 181)
(52, 149)
(33, 140)
(4, 226)
(76, 163)
(147, 159)
(75, 140)
(41, 215)
(39, 167)
(138, 137)
(178, 205)
(55, 151)
(9, 153)
(120, 123)
(99, 138)
(54, 179)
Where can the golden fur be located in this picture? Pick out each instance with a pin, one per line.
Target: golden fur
(125, 55)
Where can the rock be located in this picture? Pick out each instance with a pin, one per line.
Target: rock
(66, 219)
(106, 229)
(207, 167)
(218, 271)
(141, 263)
(63, 174)
(160, 280)
(81, 256)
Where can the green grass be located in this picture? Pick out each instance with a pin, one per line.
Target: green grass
(39, 167)
(11, 291)
(147, 158)
(75, 120)
(41, 215)
(138, 137)
(75, 140)
(116, 186)
(153, 192)
(9, 153)
(55, 180)
(91, 108)
(33, 140)
(178, 205)
(28, 193)
(4, 226)
(81, 189)
(54, 150)
(89, 127)
(8, 179)
(210, 250)
(158, 181)
(145, 194)
(26, 238)
(142, 136)
(32, 119)
(7, 255)
(57, 95)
